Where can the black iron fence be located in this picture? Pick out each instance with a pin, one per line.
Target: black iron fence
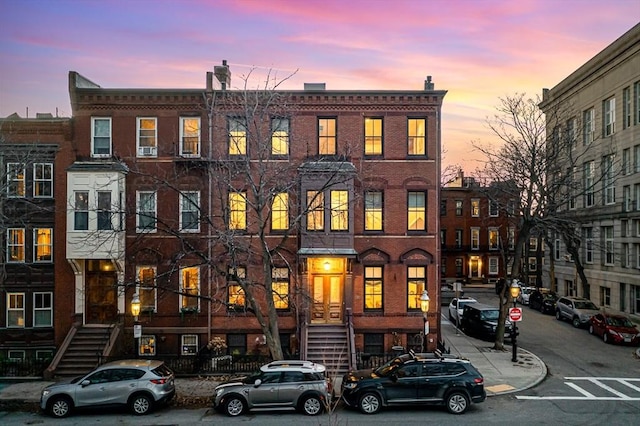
(27, 367)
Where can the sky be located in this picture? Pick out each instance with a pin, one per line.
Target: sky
(477, 50)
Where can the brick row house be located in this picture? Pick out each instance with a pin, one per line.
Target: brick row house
(319, 203)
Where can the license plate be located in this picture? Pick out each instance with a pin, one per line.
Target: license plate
(627, 339)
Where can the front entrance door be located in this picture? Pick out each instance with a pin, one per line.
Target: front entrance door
(475, 269)
(101, 306)
(327, 298)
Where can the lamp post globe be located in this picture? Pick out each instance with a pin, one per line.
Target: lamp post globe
(514, 290)
(424, 307)
(135, 306)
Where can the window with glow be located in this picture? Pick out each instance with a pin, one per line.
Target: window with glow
(494, 239)
(280, 212)
(104, 211)
(190, 211)
(43, 180)
(15, 245)
(15, 310)
(373, 136)
(279, 136)
(475, 207)
(146, 288)
(416, 211)
(147, 136)
(280, 287)
(146, 210)
(15, 180)
(235, 292)
(147, 345)
(416, 283)
(475, 238)
(238, 211)
(190, 288)
(339, 210)
(372, 287)
(190, 136)
(416, 133)
(237, 136)
(327, 136)
(315, 211)
(43, 309)
(373, 211)
(43, 245)
(100, 137)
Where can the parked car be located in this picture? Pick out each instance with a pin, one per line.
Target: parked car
(614, 329)
(578, 310)
(291, 384)
(139, 384)
(447, 293)
(415, 379)
(456, 306)
(523, 297)
(481, 321)
(543, 300)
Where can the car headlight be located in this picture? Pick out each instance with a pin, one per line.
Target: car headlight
(219, 391)
(350, 385)
(45, 393)
(615, 333)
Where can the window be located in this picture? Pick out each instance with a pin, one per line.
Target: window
(339, 210)
(475, 207)
(147, 345)
(372, 287)
(315, 211)
(458, 207)
(588, 244)
(280, 212)
(15, 310)
(190, 136)
(327, 136)
(636, 95)
(494, 239)
(588, 126)
(626, 161)
(458, 238)
(280, 287)
(572, 125)
(374, 343)
(416, 211)
(16, 355)
(43, 180)
(443, 207)
(475, 238)
(605, 296)
(459, 267)
(636, 191)
(15, 180)
(237, 136)
(190, 288)
(147, 136)
(279, 136)
(237, 344)
(608, 179)
(146, 288)
(493, 208)
(626, 256)
(636, 158)
(494, 262)
(43, 309)
(238, 210)
(236, 298)
(588, 178)
(15, 245)
(190, 211)
(104, 211)
(443, 237)
(511, 237)
(100, 137)
(533, 243)
(81, 211)
(373, 136)
(373, 211)
(416, 136)
(556, 248)
(416, 284)
(146, 211)
(609, 117)
(189, 344)
(45, 355)
(626, 108)
(626, 198)
(533, 264)
(43, 245)
(607, 232)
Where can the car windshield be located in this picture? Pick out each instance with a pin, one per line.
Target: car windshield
(619, 322)
(490, 315)
(551, 296)
(586, 305)
(461, 303)
(389, 366)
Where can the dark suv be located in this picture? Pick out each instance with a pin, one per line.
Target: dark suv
(415, 379)
(544, 300)
(481, 321)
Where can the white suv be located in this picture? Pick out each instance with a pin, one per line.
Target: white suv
(456, 306)
(300, 385)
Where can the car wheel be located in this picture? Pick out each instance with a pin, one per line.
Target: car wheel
(311, 405)
(234, 406)
(370, 403)
(575, 322)
(60, 406)
(558, 316)
(605, 337)
(140, 404)
(457, 402)
(591, 329)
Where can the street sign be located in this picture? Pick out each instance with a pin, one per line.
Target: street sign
(137, 331)
(515, 314)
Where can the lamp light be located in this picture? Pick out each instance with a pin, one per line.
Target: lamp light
(135, 306)
(514, 289)
(424, 302)
(327, 265)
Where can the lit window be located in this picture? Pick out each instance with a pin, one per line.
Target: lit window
(190, 136)
(189, 344)
(147, 136)
(339, 210)
(15, 310)
(315, 214)
(279, 136)
(100, 137)
(475, 207)
(146, 211)
(417, 136)
(43, 180)
(494, 240)
(373, 136)
(190, 211)
(190, 288)
(327, 136)
(43, 309)
(373, 287)
(280, 212)
(15, 180)
(42, 245)
(416, 284)
(373, 211)
(147, 345)
(416, 211)
(146, 288)
(236, 298)
(280, 287)
(237, 211)
(81, 211)
(15, 245)
(237, 137)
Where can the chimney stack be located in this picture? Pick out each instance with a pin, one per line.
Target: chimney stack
(223, 74)
(428, 85)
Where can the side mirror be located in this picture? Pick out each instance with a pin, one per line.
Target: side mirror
(257, 383)
(85, 382)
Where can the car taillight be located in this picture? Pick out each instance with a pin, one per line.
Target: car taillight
(161, 381)
(478, 380)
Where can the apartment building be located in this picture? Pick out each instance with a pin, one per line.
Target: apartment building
(597, 108)
(177, 196)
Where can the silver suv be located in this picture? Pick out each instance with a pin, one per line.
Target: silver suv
(300, 385)
(136, 383)
(576, 309)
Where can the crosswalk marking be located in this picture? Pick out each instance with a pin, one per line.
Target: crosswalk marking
(599, 383)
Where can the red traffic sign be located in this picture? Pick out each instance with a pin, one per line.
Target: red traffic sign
(515, 314)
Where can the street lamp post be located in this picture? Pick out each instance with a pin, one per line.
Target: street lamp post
(135, 311)
(514, 290)
(424, 307)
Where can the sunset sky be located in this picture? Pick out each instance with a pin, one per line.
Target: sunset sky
(477, 50)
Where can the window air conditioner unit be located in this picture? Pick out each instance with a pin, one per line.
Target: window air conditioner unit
(147, 151)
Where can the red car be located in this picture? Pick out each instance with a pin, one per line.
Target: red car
(614, 329)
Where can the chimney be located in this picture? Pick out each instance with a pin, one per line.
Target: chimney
(223, 74)
(209, 81)
(428, 85)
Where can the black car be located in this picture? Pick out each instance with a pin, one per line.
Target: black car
(415, 379)
(480, 320)
(543, 300)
